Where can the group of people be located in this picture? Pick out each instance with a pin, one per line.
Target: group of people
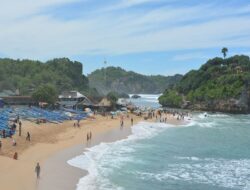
(13, 129)
(176, 114)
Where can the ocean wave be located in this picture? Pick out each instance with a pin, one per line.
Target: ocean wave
(202, 124)
(152, 100)
(218, 172)
(148, 96)
(99, 159)
(206, 115)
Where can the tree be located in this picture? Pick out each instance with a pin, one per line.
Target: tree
(45, 93)
(224, 52)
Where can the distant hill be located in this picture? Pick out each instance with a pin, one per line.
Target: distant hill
(119, 80)
(219, 85)
(27, 75)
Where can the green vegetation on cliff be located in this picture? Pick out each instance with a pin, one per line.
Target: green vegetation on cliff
(119, 80)
(171, 99)
(218, 80)
(27, 75)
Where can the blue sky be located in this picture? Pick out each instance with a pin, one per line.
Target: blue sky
(147, 36)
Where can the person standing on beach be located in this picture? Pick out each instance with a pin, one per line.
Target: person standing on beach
(28, 136)
(38, 170)
(13, 142)
(4, 134)
(121, 124)
(0, 145)
(132, 121)
(87, 137)
(20, 128)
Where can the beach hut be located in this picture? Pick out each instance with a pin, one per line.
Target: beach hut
(105, 105)
(86, 103)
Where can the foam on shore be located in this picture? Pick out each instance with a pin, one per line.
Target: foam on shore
(96, 160)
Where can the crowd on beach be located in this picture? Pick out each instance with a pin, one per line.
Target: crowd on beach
(12, 131)
(178, 115)
(162, 116)
(158, 115)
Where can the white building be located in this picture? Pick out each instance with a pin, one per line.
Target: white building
(71, 99)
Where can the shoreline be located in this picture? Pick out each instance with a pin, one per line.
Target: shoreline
(55, 140)
(59, 162)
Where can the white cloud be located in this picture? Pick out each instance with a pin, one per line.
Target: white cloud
(190, 56)
(128, 3)
(27, 32)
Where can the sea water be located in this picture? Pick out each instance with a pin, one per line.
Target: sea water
(212, 152)
(146, 100)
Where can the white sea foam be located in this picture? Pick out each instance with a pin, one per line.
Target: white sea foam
(221, 172)
(205, 120)
(98, 159)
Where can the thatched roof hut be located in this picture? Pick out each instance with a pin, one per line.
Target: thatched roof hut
(105, 103)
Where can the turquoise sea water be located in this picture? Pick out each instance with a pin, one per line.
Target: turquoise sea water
(210, 153)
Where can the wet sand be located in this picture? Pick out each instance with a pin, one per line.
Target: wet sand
(51, 180)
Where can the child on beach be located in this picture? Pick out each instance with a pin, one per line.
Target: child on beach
(15, 156)
(13, 142)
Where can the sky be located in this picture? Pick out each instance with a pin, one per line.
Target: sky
(147, 36)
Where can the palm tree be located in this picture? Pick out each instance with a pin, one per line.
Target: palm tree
(224, 52)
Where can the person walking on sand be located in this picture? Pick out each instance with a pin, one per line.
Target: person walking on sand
(20, 128)
(132, 121)
(28, 136)
(38, 170)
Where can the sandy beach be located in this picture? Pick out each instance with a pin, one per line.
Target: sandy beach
(52, 145)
